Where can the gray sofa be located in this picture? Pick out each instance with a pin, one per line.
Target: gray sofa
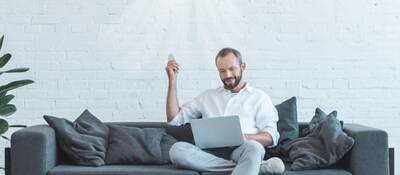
(34, 151)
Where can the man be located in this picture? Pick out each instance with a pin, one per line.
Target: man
(258, 118)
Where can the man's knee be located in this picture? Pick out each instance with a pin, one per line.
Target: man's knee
(179, 153)
(254, 146)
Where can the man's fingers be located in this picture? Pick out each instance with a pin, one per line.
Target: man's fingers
(174, 66)
(175, 70)
(171, 61)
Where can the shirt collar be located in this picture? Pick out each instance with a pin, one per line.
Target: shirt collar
(247, 88)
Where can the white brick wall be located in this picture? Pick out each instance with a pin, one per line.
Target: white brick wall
(109, 56)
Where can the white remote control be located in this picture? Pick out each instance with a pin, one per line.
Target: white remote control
(171, 57)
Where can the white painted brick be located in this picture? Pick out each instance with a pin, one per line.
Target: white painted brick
(309, 84)
(49, 84)
(325, 84)
(123, 95)
(62, 94)
(84, 28)
(80, 75)
(77, 19)
(70, 104)
(96, 84)
(96, 94)
(128, 104)
(102, 104)
(48, 75)
(17, 19)
(39, 104)
(190, 84)
(340, 83)
(125, 65)
(45, 19)
(107, 19)
(32, 93)
(73, 84)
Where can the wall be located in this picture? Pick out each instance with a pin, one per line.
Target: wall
(109, 56)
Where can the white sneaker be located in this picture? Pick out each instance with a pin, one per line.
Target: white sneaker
(272, 166)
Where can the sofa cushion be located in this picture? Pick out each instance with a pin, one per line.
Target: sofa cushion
(306, 172)
(84, 141)
(120, 170)
(316, 121)
(132, 145)
(327, 171)
(287, 125)
(323, 147)
(319, 172)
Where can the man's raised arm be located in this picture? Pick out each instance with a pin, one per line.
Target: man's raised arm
(172, 69)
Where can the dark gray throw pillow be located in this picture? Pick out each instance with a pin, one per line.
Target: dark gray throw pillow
(132, 145)
(323, 147)
(288, 126)
(84, 141)
(316, 121)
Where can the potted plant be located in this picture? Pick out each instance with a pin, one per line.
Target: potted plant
(7, 109)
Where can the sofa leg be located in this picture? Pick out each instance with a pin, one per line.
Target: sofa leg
(391, 161)
(7, 163)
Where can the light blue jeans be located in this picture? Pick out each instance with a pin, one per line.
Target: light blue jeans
(245, 159)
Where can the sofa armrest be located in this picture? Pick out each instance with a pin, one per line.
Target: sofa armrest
(33, 150)
(369, 155)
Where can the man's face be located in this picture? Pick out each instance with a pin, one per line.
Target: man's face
(230, 70)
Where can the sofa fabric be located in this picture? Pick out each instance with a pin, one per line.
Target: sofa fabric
(330, 171)
(135, 146)
(120, 170)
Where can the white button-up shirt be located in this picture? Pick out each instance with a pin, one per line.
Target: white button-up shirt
(253, 106)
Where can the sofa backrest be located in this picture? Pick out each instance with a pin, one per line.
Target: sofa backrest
(181, 133)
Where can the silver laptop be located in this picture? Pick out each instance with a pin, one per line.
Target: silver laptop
(217, 132)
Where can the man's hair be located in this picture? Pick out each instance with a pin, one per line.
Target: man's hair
(225, 51)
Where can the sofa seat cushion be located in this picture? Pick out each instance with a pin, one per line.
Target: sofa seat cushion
(329, 171)
(119, 170)
(306, 172)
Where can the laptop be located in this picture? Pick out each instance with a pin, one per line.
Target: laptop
(216, 132)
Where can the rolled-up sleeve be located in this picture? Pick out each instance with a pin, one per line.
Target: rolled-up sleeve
(267, 118)
(189, 110)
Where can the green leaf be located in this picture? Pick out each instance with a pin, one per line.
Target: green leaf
(4, 137)
(2, 94)
(7, 110)
(6, 99)
(3, 126)
(1, 41)
(22, 69)
(4, 59)
(14, 84)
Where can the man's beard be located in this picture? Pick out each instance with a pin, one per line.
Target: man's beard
(235, 84)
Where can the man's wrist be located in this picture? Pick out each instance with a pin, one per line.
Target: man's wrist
(246, 137)
(172, 82)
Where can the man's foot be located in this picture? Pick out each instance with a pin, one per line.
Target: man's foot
(272, 166)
